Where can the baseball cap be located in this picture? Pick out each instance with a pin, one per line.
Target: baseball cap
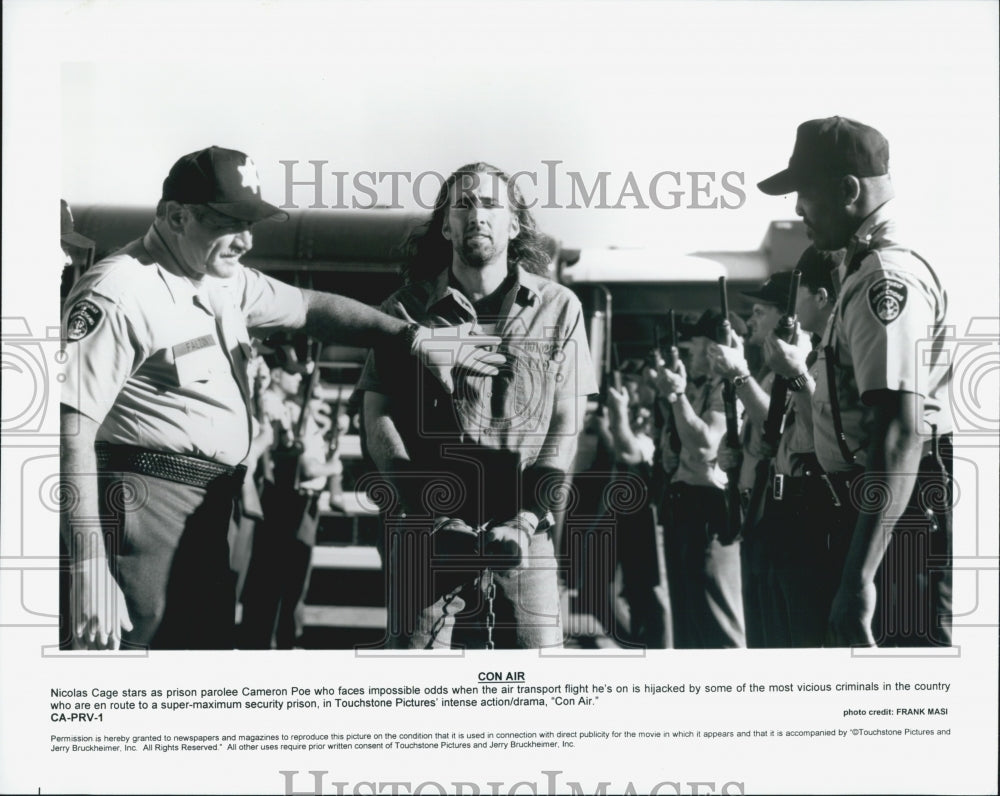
(773, 291)
(817, 269)
(708, 323)
(66, 231)
(830, 148)
(223, 179)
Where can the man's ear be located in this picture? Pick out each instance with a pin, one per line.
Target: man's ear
(445, 229)
(176, 216)
(850, 190)
(822, 297)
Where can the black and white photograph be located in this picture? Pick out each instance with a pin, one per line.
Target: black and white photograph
(555, 397)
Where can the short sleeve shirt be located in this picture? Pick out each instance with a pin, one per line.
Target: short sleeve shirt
(700, 467)
(548, 361)
(161, 363)
(887, 332)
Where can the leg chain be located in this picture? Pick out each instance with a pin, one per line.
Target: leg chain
(491, 619)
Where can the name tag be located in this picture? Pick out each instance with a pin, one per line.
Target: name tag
(190, 346)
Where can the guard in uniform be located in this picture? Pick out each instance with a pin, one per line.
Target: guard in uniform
(794, 580)
(278, 575)
(702, 558)
(155, 407)
(881, 427)
(757, 551)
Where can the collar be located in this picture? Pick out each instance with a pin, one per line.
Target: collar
(170, 272)
(861, 242)
(529, 289)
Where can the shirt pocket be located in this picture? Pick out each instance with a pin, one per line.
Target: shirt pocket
(197, 366)
(534, 371)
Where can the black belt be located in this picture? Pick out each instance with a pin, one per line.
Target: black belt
(176, 467)
(807, 487)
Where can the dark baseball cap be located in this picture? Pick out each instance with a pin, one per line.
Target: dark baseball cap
(773, 291)
(827, 149)
(708, 323)
(223, 179)
(817, 267)
(66, 232)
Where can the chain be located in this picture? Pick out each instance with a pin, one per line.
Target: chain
(491, 618)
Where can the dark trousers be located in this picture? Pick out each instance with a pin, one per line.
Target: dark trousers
(800, 571)
(168, 550)
(914, 581)
(644, 579)
(278, 574)
(704, 575)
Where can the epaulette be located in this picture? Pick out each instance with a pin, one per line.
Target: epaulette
(116, 275)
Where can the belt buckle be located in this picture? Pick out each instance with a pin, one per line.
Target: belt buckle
(778, 490)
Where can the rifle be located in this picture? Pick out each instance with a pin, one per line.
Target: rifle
(287, 454)
(722, 335)
(771, 438)
(672, 358)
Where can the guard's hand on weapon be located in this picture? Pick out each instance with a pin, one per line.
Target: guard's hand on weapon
(726, 362)
(851, 616)
(446, 349)
(617, 403)
(670, 382)
(98, 610)
(729, 457)
(785, 359)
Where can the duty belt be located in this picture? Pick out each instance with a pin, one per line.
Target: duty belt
(176, 467)
(835, 487)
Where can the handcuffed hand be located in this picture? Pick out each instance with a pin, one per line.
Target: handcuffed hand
(507, 543)
(446, 349)
(454, 537)
(98, 610)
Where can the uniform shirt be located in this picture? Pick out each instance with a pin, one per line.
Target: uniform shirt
(887, 333)
(161, 363)
(548, 360)
(700, 467)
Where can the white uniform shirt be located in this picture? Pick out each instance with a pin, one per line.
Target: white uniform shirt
(161, 363)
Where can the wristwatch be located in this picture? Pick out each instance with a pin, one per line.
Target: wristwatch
(739, 381)
(799, 382)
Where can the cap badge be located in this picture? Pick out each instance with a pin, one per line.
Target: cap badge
(248, 171)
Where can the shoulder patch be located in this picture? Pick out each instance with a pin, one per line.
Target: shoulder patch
(83, 318)
(887, 299)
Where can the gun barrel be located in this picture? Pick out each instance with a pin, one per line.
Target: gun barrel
(793, 294)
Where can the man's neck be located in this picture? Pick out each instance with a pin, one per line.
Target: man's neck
(165, 239)
(478, 283)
